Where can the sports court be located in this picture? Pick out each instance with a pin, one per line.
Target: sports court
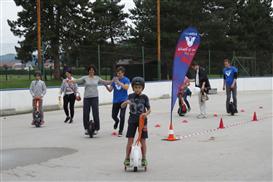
(60, 152)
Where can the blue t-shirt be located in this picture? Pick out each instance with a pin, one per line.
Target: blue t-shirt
(229, 74)
(120, 94)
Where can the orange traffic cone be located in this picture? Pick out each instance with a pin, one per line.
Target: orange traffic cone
(171, 136)
(221, 124)
(157, 125)
(114, 133)
(254, 117)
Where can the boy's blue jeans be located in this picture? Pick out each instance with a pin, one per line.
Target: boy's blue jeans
(187, 92)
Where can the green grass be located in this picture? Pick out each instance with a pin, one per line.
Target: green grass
(23, 81)
(214, 76)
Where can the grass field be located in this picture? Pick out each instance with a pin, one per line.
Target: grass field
(23, 81)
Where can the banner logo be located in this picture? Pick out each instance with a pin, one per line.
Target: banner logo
(190, 40)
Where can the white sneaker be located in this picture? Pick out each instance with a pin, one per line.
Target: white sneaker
(86, 132)
(201, 116)
(95, 132)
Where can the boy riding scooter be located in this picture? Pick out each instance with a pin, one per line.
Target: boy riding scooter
(139, 105)
(37, 91)
(183, 93)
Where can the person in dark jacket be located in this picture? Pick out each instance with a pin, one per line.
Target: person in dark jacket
(202, 82)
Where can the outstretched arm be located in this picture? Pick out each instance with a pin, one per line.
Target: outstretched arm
(109, 88)
(125, 103)
(105, 82)
(124, 86)
(77, 81)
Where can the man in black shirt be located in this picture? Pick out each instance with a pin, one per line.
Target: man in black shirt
(202, 82)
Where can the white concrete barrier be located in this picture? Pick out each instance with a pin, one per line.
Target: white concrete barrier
(20, 100)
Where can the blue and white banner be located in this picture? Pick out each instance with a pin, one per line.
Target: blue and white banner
(186, 49)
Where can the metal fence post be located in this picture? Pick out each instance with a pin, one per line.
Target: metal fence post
(143, 62)
(99, 60)
(6, 72)
(272, 63)
(29, 73)
(255, 64)
(209, 61)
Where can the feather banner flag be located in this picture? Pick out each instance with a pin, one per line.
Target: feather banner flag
(186, 49)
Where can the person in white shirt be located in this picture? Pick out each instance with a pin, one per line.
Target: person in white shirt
(37, 90)
(69, 90)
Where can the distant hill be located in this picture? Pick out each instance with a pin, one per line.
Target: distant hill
(8, 58)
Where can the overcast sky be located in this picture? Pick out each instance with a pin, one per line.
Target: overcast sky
(8, 10)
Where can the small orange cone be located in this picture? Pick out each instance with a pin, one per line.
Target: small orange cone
(157, 125)
(221, 124)
(114, 133)
(254, 117)
(171, 136)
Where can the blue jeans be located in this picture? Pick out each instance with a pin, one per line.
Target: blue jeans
(187, 92)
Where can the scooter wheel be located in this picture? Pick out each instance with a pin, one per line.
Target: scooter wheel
(135, 169)
(90, 134)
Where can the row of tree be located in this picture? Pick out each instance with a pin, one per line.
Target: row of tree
(74, 28)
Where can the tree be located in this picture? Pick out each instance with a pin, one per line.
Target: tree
(60, 27)
(144, 18)
(225, 25)
(109, 21)
(105, 25)
(252, 31)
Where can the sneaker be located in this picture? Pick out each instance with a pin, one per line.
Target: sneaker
(189, 109)
(96, 132)
(66, 119)
(201, 116)
(86, 132)
(115, 125)
(120, 134)
(71, 121)
(127, 162)
(144, 162)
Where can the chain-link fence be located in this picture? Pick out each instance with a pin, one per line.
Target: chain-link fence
(142, 61)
